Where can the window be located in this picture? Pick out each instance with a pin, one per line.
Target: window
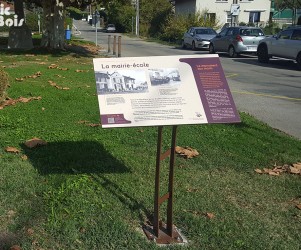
(211, 17)
(223, 32)
(251, 32)
(229, 17)
(286, 34)
(296, 35)
(254, 17)
(230, 32)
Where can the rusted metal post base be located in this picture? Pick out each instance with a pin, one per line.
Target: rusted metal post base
(159, 232)
(164, 238)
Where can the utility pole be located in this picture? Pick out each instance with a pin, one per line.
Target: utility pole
(137, 17)
(136, 4)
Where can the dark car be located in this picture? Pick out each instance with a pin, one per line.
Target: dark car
(237, 40)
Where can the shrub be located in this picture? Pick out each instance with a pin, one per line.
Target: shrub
(177, 25)
(271, 28)
(3, 85)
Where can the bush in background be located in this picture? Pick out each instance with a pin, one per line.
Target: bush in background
(177, 25)
(3, 85)
(271, 28)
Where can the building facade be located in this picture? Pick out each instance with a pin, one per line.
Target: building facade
(228, 12)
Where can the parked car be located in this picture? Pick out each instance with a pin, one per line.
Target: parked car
(236, 40)
(111, 28)
(286, 44)
(198, 38)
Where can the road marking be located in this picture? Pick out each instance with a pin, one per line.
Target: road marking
(273, 96)
(231, 75)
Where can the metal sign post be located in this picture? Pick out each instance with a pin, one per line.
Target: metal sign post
(159, 232)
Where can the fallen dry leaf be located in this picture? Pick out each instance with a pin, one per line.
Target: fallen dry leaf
(19, 79)
(11, 213)
(12, 150)
(15, 247)
(83, 122)
(53, 66)
(210, 215)
(293, 170)
(94, 125)
(34, 142)
(298, 206)
(273, 173)
(186, 152)
(10, 101)
(297, 165)
(64, 69)
(30, 231)
(24, 157)
(192, 190)
(57, 86)
(277, 170)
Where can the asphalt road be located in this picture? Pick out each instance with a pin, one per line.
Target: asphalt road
(271, 92)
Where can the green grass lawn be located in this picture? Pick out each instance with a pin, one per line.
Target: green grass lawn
(93, 188)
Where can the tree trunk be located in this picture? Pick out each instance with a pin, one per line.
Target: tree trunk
(20, 35)
(53, 31)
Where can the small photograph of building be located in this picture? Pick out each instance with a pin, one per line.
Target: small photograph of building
(122, 81)
(166, 76)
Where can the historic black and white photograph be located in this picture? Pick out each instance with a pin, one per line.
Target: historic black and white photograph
(121, 81)
(168, 76)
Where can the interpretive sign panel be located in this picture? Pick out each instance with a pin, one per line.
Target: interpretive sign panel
(163, 90)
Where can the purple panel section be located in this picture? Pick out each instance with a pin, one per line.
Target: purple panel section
(113, 119)
(213, 89)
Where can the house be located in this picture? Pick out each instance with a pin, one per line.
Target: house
(228, 12)
(115, 82)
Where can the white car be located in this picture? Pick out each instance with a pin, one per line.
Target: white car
(198, 38)
(286, 44)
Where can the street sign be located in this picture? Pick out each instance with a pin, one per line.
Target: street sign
(235, 9)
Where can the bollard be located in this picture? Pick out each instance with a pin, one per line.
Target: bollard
(109, 43)
(114, 46)
(119, 46)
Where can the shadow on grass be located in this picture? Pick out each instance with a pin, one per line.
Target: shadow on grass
(84, 157)
(79, 48)
(73, 157)
(130, 202)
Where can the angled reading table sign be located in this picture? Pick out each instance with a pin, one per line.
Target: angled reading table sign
(161, 91)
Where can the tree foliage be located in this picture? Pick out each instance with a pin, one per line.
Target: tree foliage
(120, 13)
(288, 4)
(177, 25)
(154, 16)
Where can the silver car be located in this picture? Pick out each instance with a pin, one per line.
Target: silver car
(236, 40)
(286, 44)
(110, 28)
(198, 38)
